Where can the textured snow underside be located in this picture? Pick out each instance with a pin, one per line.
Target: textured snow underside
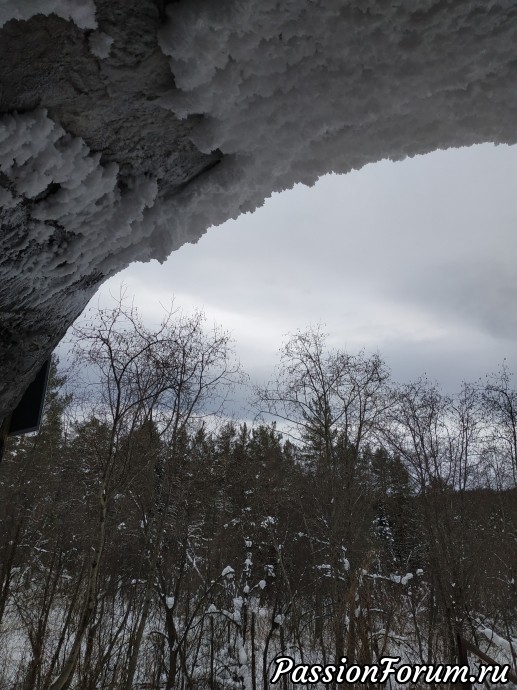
(82, 12)
(287, 92)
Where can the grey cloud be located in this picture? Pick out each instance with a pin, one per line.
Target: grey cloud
(416, 259)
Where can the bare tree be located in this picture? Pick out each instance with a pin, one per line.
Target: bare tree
(170, 377)
(323, 393)
(500, 405)
(439, 439)
(333, 401)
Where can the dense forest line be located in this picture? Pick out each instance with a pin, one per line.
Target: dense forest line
(146, 541)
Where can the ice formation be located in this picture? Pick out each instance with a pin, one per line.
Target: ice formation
(294, 90)
(77, 221)
(67, 221)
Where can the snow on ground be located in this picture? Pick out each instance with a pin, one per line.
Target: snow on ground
(499, 642)
(232, 662)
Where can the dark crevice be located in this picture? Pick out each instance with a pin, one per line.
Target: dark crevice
(206, 169)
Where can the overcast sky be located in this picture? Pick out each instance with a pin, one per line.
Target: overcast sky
(415, 260)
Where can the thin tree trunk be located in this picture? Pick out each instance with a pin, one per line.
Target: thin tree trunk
(253, 658)
(137, 640)
(65, 677)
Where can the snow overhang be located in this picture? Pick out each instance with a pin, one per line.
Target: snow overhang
(127, 129)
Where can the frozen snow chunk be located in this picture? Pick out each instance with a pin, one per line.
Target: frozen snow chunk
(100, 44)
(228, 572)
(326, 569)
(243, 657)
(268, 520)
(496, 639)
(402, 579)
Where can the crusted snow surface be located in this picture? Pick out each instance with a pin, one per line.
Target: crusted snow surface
(76, 219)
(82, 12)
(296, 89)
(289, 91)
